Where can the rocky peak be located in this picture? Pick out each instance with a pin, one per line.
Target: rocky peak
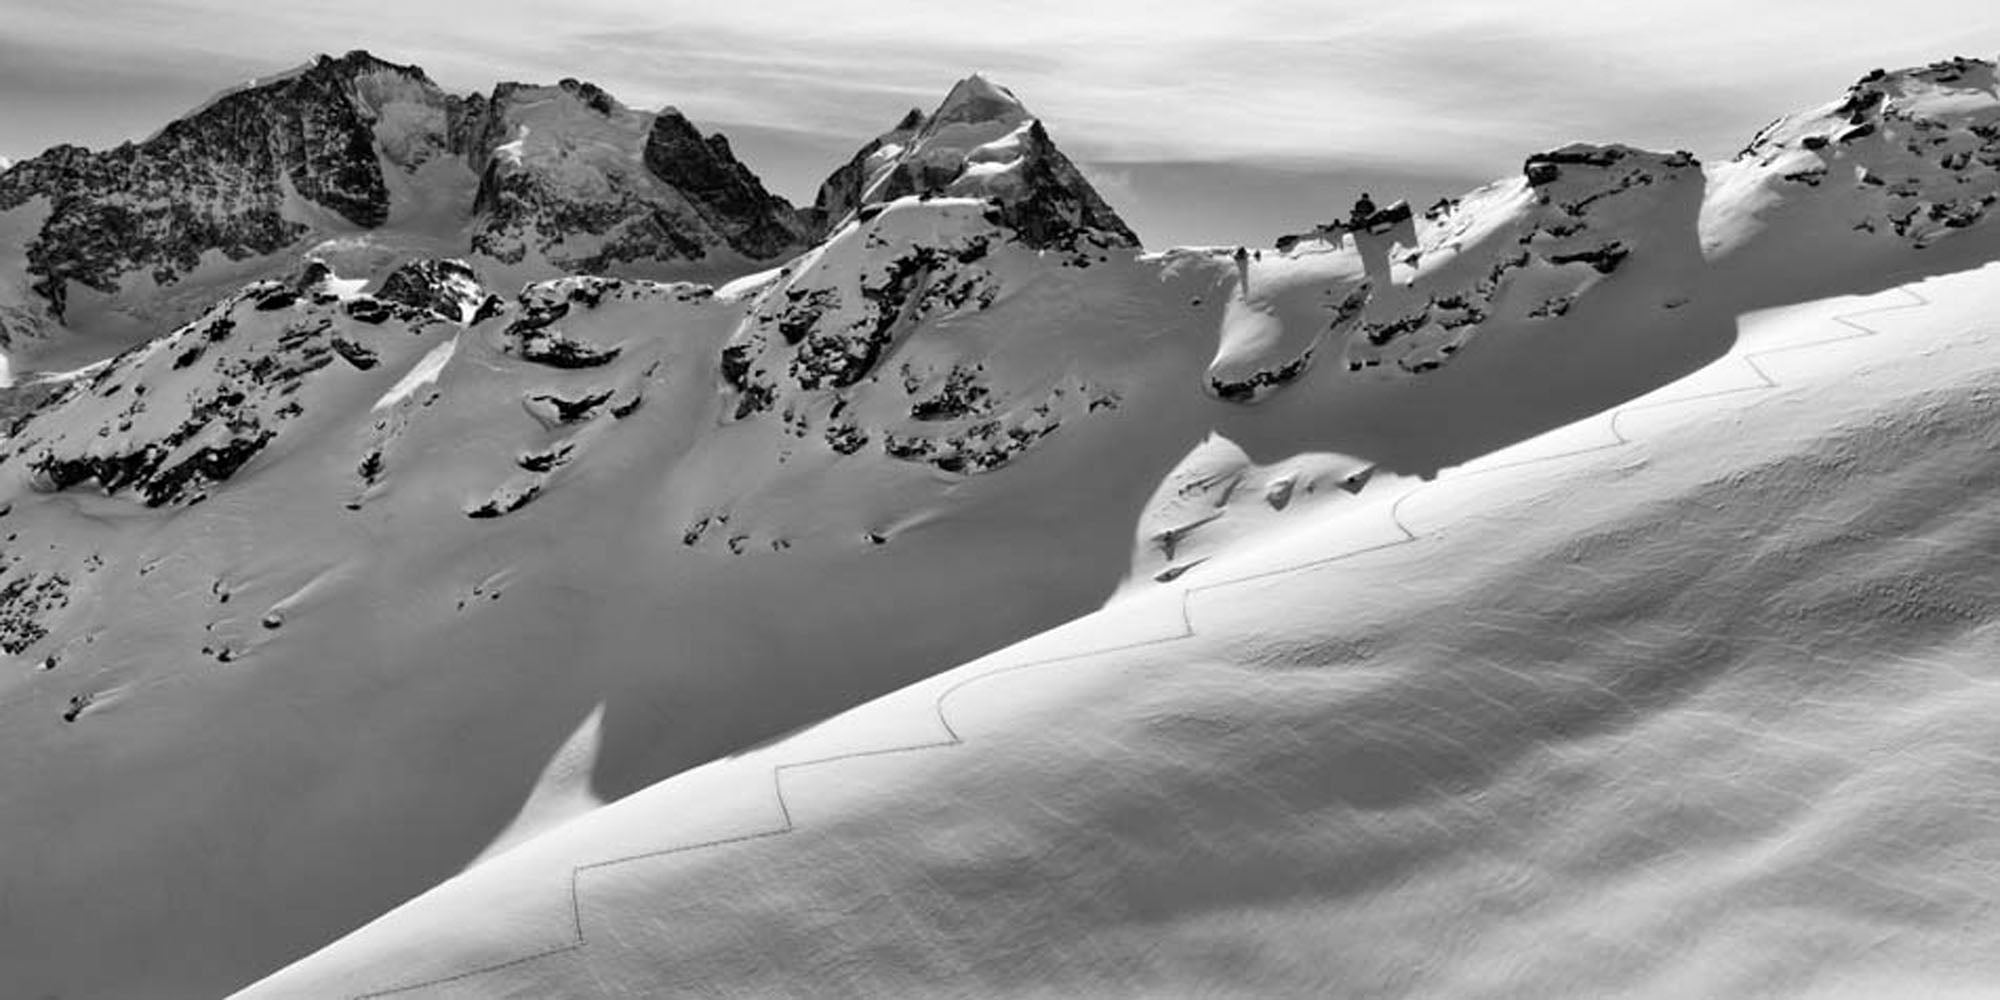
(592, 96)
(981, 142)
(558, 179)
(558, 183)
(976, 100)
(842, 192)
(727, 195)
(446, 288)
(220, 179)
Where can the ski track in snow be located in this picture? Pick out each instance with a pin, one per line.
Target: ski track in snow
(950, 736)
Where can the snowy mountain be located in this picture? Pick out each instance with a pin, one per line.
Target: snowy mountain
(980, 143)
(560, 186)
(553, 611)
(367, 164)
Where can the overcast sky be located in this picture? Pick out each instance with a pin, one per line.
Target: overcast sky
(1217, 121)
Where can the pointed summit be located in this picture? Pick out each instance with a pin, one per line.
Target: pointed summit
(981, 142)
(976, 99)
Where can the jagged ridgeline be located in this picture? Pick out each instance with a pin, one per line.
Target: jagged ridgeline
(367, 164)
(401, 500)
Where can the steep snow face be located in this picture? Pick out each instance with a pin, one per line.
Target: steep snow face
(981, 142)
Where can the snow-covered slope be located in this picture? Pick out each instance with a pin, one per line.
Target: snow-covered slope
(1526, 731)
(441, 572)
(366, 164)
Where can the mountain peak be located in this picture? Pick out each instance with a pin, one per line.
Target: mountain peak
(976, 99)
(981, 142)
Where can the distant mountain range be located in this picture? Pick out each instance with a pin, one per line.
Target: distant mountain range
(395, 477)
(367, 164)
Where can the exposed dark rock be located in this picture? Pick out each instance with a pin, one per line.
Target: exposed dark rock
(730, 199)
(505, 503)
(355, 354)
(445, 288)
(214, 181)
(1259, 383)
(546, 346)
(960, 396)
(27, 602)
(1604, 259)
(570, 411)
(842, 192)
(368, 310)
(711, 201)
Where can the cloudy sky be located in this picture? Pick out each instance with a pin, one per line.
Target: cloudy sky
(1219, 121)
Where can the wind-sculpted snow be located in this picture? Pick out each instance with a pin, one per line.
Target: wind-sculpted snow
(1289, 698)
(381, 542)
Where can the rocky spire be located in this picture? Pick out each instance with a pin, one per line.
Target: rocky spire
(1036, 190)
(730, 198)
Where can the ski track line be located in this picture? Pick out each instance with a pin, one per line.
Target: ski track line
(950, 736)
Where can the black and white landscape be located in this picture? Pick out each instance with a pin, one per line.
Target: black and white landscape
(488, 543)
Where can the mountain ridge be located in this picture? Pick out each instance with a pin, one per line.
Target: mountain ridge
(360, 153)
(395, 546)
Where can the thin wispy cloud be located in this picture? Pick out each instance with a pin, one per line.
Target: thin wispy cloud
(1453, 89)
(1213, 80)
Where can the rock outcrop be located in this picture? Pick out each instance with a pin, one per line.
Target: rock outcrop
(1916, 151)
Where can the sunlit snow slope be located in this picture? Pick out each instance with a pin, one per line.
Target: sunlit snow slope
(351, 590)
(1692, 699)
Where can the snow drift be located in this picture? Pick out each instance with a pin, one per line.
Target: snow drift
(351, 591)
